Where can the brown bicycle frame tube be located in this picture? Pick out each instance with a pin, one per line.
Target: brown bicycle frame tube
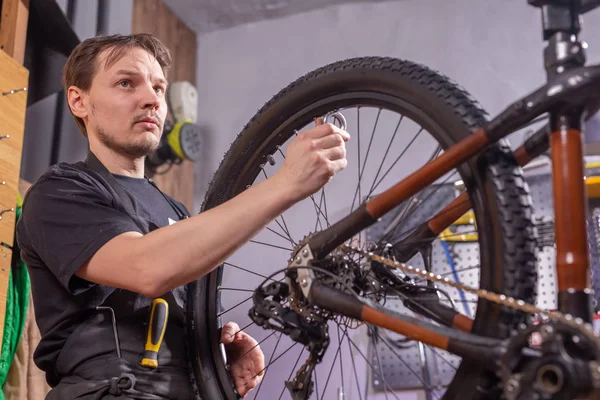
(346, 304)
(462, 322)
(427, 174)
(407, 329)
(449, 214)
(462, 204)
(569, 206)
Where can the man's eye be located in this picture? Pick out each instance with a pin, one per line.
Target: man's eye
(124, 84)
(159, 90)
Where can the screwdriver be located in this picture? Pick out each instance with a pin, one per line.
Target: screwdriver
(159, 313)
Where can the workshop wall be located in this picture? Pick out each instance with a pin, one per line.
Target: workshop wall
(50, 133)
(492, 48)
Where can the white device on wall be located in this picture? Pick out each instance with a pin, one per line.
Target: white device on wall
(182, 138)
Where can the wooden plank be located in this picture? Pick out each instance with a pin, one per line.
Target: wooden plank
(13, 28)
(181, 41)
(12, 122)
(13, 76)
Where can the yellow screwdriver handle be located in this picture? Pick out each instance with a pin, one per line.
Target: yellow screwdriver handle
(159, 314)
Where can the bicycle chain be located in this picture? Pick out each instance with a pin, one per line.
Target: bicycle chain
(577, 323)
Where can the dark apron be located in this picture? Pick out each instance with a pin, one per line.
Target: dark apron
(119, 375)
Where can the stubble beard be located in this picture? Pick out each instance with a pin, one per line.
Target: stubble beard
(142, 147)
(137, 149)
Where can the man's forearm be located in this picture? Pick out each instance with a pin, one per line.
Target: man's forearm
(182, 252)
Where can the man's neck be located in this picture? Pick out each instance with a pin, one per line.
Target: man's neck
(117, 163)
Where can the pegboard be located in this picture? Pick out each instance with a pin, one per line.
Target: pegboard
(420, 366)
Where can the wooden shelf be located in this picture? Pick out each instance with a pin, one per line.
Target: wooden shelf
(13, 76)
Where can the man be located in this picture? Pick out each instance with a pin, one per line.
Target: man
(96, 238)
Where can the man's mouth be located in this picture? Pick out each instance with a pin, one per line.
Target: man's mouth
(149, 120)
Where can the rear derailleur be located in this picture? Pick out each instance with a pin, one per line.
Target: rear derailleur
(270, 312)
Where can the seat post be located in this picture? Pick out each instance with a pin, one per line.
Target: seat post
(561, 21)
(559, 16)
(561, 24)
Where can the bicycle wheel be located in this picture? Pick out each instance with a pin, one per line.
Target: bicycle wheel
(366, 90)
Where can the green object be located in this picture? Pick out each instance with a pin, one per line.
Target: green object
(17, 301)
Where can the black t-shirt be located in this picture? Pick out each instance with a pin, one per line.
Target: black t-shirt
(68, 214)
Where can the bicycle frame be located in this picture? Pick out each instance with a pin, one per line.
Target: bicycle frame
(568, 95)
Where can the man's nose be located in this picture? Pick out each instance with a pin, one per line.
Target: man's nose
(150, 98)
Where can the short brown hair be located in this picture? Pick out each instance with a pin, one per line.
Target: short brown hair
(81, 66)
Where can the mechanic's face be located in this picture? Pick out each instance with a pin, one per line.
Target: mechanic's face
(126, 105)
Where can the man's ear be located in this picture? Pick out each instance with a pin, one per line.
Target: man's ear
(76, 100)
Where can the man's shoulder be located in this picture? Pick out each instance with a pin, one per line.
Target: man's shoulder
(64, 178)
(64, 170)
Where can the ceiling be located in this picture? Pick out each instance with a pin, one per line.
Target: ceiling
(208, 15)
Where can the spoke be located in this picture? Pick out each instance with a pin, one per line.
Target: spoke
(330, 371)
(410, 202)
(277, 233)
(318, 208)
(372, 368)
(384, 157)
(414, 210)
(289, 237)
(287, 230)
(358, 191)
(443, 359)
(235, 289)
(398, 159)
(340, 339)
(359, 167)
(255, 346)
(316, 383)
(401, 359)
(292, 373)
(231, 308)
(270, 245)
(325, 205)
(275, 360)
(284, 227)
(412, 230)
(270, 362)
(245, 327)
(353, 365)
(249, 271)
(319, 212)
(378, 360)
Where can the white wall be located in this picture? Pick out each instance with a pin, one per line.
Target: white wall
(493, 48)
